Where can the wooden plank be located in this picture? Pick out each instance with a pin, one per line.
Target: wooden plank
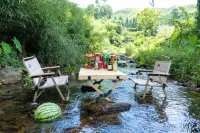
(100, 74)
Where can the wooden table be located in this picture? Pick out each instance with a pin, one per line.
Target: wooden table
(89, 74)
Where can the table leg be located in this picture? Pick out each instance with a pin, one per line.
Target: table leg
(101, 93)
(114, 87)
(98, 82)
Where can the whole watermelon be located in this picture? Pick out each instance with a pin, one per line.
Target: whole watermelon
(48, 112)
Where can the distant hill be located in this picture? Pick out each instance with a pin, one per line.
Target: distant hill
(131, 13)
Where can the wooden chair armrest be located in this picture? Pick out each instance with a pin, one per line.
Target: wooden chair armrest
(28, 58)
(42, 75)
(139, 72)
(50, 68)
(157, 74)
(145, 71)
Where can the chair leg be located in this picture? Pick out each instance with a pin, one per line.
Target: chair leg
(164, 90)
(145, 91)
(58, 89)
(60, 93)
(135, 86)
(35, 96)
(68, 93)
(151, 90)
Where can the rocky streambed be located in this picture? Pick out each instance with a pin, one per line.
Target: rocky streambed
(179, 113)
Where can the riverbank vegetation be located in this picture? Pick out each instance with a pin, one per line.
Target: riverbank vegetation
(58, 32)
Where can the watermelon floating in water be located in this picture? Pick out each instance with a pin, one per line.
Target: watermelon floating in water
(48, 112)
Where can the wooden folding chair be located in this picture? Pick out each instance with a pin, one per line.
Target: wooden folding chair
(156, 77)
(44, 80)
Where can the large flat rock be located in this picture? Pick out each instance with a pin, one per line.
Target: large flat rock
(105, 108)
(10, 75)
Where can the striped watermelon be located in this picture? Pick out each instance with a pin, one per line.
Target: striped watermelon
(48, 112)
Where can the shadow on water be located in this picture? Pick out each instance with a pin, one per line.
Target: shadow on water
(178, 113)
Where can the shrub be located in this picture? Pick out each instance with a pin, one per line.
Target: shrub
(54, 30)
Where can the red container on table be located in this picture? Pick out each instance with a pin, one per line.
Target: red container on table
(101, 58)
(97, 57)
(100, 65)
(105, 65)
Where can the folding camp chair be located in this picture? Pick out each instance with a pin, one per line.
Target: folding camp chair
(44, 80)
(156, 77)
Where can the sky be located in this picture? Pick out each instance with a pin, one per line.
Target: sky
(122, 4)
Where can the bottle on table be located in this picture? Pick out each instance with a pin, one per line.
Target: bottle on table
(97, 57)
(100, 65)
(115, 66)
(110, 66)
(92, 63)
(96, 65)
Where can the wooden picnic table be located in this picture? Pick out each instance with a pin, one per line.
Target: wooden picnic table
(103, 74)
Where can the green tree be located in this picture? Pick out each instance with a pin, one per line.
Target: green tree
(102, 11)
(175, 13)
(51, 29)
(127, 22)
(90, 10)
(134, 21)
(198, 15)
(119, 29)
(121, 20)
(106, 11)
(148, 20)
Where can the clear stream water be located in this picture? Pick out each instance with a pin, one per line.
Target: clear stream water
(155, 115)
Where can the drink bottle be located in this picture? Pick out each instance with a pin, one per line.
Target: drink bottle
(110, 66)
(115, 66)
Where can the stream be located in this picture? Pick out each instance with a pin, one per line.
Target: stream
(178, 113)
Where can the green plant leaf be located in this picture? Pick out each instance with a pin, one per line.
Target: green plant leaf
(191, 49)
(194, 38)
(6, 48)
(1, 51)
(17, 44)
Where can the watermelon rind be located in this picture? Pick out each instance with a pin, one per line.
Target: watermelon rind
(48, 112)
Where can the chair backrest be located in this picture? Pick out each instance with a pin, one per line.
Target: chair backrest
(161, 67)
(33, 67)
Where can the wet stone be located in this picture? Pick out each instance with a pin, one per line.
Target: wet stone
(184, 84)
(31, 129)
(10, 75)
(105, 108)
(198, 90)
